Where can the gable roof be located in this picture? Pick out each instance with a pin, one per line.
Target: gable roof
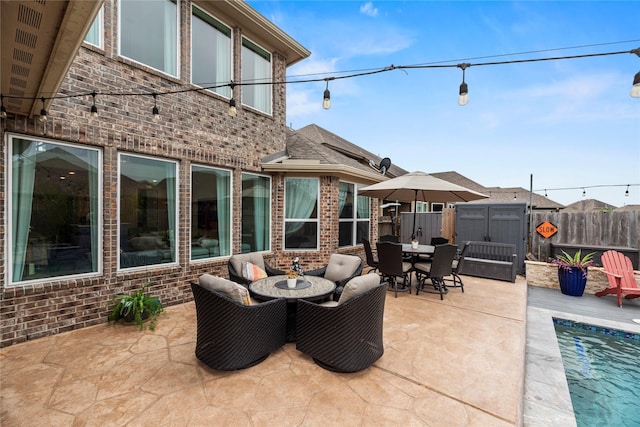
(589, 205)
(313, 149)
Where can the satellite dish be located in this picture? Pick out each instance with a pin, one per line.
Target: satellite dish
(385, 164)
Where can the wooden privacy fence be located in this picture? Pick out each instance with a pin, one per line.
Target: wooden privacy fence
(606, 229)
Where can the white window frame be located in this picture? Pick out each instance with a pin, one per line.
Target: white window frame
(354, 220)
(307, 220)
(99, 22)
(434, 204)
(177, 41)
(177, 214)
(9, 283)
(268, 80)
(268, 177)
(230, 231)
(224, 91)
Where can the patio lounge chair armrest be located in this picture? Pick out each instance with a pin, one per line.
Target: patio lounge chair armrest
(272, 271)
(319, 272)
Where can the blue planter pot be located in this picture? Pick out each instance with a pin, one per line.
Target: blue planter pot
(572, 281)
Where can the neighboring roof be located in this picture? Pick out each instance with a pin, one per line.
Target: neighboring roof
(627, 208)
(313, 149)
(589, 205)
(463, 181)
(499, 194)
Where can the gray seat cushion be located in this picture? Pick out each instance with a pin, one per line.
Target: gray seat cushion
(226, 287)
(358, 285)
(252, 257)
(341, 266)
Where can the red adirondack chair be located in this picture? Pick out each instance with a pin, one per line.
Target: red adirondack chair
(619, 271)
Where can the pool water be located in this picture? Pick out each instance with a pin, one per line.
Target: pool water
(602, 367)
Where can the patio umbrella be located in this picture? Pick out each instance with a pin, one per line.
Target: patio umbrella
(420, 187)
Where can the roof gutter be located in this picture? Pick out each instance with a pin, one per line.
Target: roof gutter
(317, 168)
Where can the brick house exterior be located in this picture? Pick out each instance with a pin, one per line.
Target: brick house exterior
(195, 129)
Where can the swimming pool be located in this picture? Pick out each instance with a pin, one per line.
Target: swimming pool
(602, 367)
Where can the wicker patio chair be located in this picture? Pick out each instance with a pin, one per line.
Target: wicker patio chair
(340, 269)
(235, 267)
(345, 336)
(233, 336)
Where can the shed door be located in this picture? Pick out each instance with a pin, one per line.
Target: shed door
(471, 223)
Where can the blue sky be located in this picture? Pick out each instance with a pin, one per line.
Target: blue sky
(570, 123)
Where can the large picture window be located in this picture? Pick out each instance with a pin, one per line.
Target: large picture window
(149, 33)
(210, 212)
(301, 213)
(54, 221)
(353, 215)
(210, 52)
(147, 211)
(256, 68)
(256, 213)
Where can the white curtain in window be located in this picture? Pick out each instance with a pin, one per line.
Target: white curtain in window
(170, 38)
(261, 213)
(223, 64)
(223, 187)
(342, 197)
(170, 173)
(302, 197)
(92, 169)
(363, 207)
(23, 177)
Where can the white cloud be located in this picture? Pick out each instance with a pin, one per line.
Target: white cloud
(368, 9)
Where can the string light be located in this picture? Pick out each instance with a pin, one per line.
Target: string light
(154, 111)
(635, 89)
(463, 92)
(463, 98)
(326, 98)
(43, 112)
(232, 110)
(94, 109)
(584, 192)
(626, 193)
(545, 193)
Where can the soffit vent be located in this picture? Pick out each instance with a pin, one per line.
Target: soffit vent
(26, 39)
(19, 71)
(18, 82)
(30, 17)
(22, 56)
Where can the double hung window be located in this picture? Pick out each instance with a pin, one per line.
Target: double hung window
(210, 52)
(256, 213)
(210, 212)
(149, 33)
(147, 211)
(54, 210)
(353, 213)
(256, 77)
(301, 221)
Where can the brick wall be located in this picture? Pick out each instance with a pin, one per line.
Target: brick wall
(194, 129)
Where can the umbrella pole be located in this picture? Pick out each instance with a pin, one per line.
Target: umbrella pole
(415, 205)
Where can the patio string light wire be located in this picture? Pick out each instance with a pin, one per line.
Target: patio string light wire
(232, 111)
(585, 187)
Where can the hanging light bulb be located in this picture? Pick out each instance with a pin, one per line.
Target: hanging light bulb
(545, 193)
(326, 99)
(94, 109)
(584, 192)
(463, 98)
(232, 110)
(3, 110)
(154, 111)
(635, 89)
(43, 112)
(626, 193)
(515, 195)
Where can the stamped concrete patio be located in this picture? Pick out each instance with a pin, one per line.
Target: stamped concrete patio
(446, 363)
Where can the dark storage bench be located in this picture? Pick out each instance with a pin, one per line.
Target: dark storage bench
(491, 260)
